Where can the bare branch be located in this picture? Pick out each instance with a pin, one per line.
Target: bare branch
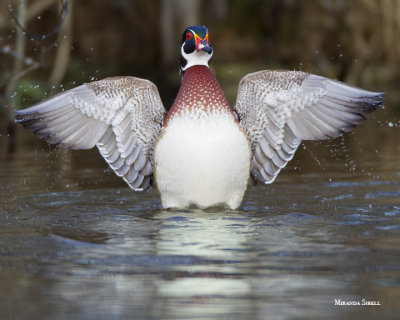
(24, 15)
(61, 62)
(19, 53)
(37, 7)
(18, 73)
(32, 36)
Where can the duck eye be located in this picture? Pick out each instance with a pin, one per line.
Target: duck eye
(189, 36)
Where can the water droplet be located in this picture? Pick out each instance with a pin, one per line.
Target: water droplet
(39, 17)
(390, 124)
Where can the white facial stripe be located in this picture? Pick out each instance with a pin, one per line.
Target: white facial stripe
(196, 58)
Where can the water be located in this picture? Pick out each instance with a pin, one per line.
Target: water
(76, 243)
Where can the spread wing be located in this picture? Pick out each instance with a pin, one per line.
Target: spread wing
(278, 109)
(122, 116)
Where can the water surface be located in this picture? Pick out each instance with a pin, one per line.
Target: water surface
(76, 243)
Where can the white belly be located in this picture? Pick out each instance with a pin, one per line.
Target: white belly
(202, 161)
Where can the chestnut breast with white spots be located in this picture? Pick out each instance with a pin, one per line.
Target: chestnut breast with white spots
(199, 90)
(202, 155)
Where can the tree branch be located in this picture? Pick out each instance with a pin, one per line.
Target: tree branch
(63, 14)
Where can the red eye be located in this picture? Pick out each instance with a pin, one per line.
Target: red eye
(189, 36)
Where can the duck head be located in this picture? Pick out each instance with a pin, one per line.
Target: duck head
(195, 49)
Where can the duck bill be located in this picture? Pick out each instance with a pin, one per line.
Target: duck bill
(207, 49)
(202, 44)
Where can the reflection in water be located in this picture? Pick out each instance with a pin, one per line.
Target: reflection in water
(76, 243)
(209, 235)
(218, 241)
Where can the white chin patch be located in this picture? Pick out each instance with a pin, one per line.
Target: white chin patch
(196, 58)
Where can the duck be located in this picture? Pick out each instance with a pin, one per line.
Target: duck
(201, 152)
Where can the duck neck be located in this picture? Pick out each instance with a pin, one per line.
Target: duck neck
(199, 90)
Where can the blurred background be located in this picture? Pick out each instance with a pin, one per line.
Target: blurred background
(47, 46)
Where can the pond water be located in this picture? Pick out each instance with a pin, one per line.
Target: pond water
(76, 243)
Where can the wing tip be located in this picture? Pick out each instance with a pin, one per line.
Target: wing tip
(22, 116)
(371, 102)
(30, 121)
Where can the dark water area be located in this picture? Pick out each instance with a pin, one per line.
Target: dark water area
(78, 244)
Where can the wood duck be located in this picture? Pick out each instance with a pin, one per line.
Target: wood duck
(201, 152)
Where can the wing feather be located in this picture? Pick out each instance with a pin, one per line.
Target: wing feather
(278, 109)
(122, 116)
